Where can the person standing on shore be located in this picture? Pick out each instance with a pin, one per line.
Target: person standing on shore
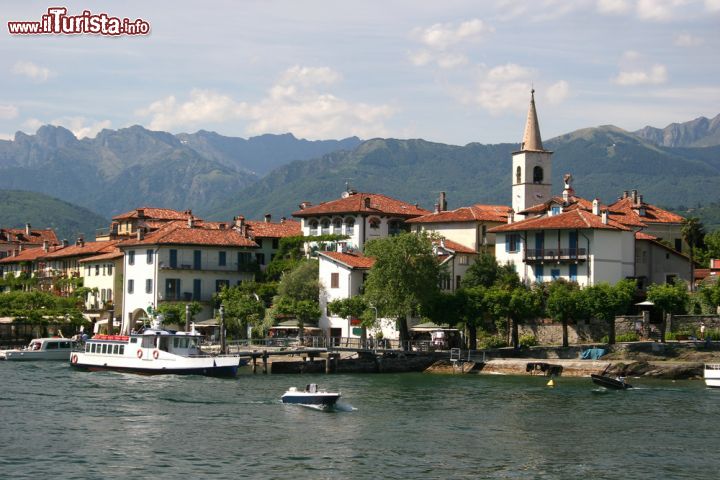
(702, 331)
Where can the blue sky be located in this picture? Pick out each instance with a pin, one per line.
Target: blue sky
(451, 71)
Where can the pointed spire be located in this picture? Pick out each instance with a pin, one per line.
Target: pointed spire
(531, 139)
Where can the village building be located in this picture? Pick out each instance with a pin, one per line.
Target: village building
(182, 262)
(127, 224)
(62, 270)
(267, 234)
(103, 275)
(17, 239)
(27, 262)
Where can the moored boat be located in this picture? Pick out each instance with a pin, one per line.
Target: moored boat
(51, 348)
(154, 351)
(311, 396)
(712, 375)
(613, 383)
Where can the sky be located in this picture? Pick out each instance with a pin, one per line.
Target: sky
(450, 71)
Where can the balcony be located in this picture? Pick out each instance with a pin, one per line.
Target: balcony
(559, 255)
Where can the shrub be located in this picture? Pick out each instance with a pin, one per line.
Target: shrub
(627, 337)
(528, 340)
(492, 341)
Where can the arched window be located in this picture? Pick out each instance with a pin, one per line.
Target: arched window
(537, 175)
(374, 223)
(349, 226)
(518, 175)
(313, 227)
(325, 226)
(394, 227)
(337, 226)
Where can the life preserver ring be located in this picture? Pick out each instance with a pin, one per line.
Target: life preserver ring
(156, 354)
(73, 359)
(139, 353)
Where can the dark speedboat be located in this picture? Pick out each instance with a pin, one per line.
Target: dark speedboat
(311, 396)
(613, 383)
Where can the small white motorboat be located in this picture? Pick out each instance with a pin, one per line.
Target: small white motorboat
(51, 348)
(311, 396)
(712, 375)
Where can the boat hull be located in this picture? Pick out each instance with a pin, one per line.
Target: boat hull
(324, 399)
(609, 382)
(210, 371)
(30, 356)
(712, 375)
(218, 366)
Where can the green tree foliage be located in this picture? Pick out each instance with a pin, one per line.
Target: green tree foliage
(404, 277)
(40, 307)
(299, 294)
(710, 250)
(693, 232)
(605, 302)
(242, 308)
(671, 298)
(565, 302)
(483, 272)
(174, 312)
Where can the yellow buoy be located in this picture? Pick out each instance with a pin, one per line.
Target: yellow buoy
(551, 383)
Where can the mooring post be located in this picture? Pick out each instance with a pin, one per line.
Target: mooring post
(254, 364)
(265, 362)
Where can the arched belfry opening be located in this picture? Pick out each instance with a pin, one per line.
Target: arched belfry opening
(537, 174)
(518, 174)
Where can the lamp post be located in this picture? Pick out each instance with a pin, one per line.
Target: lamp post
(222, 329)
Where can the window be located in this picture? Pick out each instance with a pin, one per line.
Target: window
(131, 286)
(197, 289)
(103, 295)
(172, 289)
(149, 256)
(197, 256)
(335, 280)
(573, 272)
(337, 226)
(555, 210)
(374, 223)
(537, 175)
(148, 285)
(173, 258)
(260, 258)
(131, 257)
(109, 294)
(518, 175)
(512, 242)
(244, 258)
(394, 227)
(678, 244)
(219, 284)
(457, 282)
(222, 259)
(97, 270)
(313, 227)
(259, 242)
(275, 243)
(555, 273)
(463, 260)
(349, 226)
(110, 268)
(325, 227)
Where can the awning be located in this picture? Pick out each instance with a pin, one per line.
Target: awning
(646, 303)
(430, 327)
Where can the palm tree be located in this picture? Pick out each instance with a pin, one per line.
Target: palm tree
(692, 232)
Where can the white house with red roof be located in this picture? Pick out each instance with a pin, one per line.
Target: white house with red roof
(182, 262)
(360, 216)
(126, 224)
(103, 273)
(15, 239)
(267, 235)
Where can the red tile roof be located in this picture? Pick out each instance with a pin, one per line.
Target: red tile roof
(178, 233)
(112, 255)
(260, 229)
(644, 236)
(86, 249)
(574, 219)
(30, 254)
(455, 246)
(653, 214)
(356, 203)
(350, 259)
(154, 214)
(36, 237)
(573, 202)
(473, 213)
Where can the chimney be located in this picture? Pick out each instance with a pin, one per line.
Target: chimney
(437, 207)
(633, 196)
(141, 213)
(443, 202)
(140, 233)
(191, 221)
(282, 219)
(511, 216)
(305, 205)
(222, 226)
(639, 200)
(64, 242)
(239, 222)
(268, 217)
(80, 242)
(596, 207)
(27, 229)
(625, 194)
(46, 246)
(604, 217)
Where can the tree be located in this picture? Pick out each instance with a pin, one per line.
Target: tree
(692, 232)
(352, 307)
(483, 272)
(565, 302)
(711, 244)
(474, 310)
(174, 312)
(405, 277)
(671, 298)
(242, 308)
(299, 294)
(605, 302)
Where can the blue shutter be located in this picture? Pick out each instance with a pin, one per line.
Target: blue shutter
(507, 242)
(573, 272)
(539, 272)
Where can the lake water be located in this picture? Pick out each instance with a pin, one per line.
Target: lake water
(58, 423)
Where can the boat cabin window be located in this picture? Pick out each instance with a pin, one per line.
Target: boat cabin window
(92, 348)
(52, 346)
(148, 341)
(65, 345)
(180, 342)
(133, 340)
(104, 348)
(87, 347)
(164, 344)
(122, 349)
(116, 349)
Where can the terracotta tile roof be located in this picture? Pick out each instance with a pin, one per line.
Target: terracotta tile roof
(154, 214)
(701, 273)
(653, 214)
(178, 233)
(574, 219)
(473, 213)
(112, 255)
(36, 236)
(644, 236)
(454, 246)
(574, 202)
(86, 249)
(260, 229)
(356, 203)
(350, 259)
(30, 254)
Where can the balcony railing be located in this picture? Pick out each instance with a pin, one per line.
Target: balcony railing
(556, 254)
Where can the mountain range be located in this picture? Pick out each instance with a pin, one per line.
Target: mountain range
(218, 176)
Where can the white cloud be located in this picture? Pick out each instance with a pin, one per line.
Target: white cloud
(658, 10)
(687, 40)
(77, 125)
(508, 72)
(712, 5)
(613, 6)
(502, 88)
(8, 112)
(441, 35)
(32, 71)
(442, 59)
(296, 103)
(557, 92)
(656, 75)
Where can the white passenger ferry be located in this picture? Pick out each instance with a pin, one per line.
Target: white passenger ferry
(712, 375)
(154, 351)
(51, 348)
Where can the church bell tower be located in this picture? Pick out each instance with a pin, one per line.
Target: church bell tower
(531, 166)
